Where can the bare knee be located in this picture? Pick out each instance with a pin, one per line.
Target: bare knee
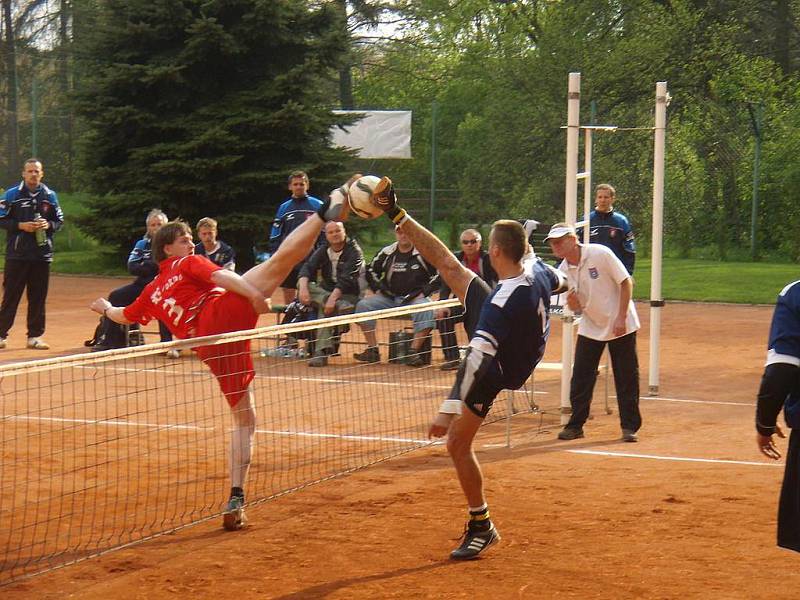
(458, 446)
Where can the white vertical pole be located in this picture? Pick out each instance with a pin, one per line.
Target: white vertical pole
(656, 295)
(570, 212)
(587, 182)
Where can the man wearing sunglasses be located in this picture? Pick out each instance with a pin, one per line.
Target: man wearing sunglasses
(474, 258)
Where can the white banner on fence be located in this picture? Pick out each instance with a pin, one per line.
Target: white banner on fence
(379, 134)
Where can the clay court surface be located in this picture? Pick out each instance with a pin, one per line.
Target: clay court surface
(688, 512)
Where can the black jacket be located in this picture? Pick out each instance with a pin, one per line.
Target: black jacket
(348, 268)
(421, 278)
(487, 273)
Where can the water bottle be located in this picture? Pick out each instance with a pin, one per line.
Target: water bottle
(41, 234)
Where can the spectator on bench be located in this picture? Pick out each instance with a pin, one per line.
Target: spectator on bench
(215, 250)
(142, 265)
(399, 276)
(474, 258)
(340, 262)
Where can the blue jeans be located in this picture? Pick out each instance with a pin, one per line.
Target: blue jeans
(422, 320)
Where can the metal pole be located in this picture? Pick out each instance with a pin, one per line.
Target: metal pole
(570, 212)
(756, 117)
(433, 167)
(656, 296)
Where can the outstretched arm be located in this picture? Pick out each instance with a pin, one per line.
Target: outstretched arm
(103, 307)
(453, 273)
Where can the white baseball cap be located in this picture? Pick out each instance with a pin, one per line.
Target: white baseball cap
(559, 230)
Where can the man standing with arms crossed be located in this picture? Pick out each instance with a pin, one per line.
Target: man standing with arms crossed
(30, 214)
(600, 289)
(508, 329)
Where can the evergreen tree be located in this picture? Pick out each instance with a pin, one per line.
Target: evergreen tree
(202, 108)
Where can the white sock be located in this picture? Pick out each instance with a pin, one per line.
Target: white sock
(244, 426)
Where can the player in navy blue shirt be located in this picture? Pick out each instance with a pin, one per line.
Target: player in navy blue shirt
(508, 329)
(292, 213)
(780, 388)
(212, 248)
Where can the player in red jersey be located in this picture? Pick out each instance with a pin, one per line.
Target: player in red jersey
(194, 297)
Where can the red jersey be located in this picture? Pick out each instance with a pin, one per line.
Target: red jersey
(176, 296)
(185, 299)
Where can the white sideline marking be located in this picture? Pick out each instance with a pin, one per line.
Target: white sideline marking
(121, 423)
(676, 458)
(366, 438)
(663, 399)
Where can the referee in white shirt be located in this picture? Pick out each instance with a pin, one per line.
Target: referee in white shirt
(600, 289)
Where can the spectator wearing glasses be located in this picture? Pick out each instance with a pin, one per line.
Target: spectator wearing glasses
(474, 258)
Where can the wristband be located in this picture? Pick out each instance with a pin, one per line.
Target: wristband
(105, 312)
(451, 406)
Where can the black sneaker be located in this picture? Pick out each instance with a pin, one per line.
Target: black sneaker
(629, 435)
(569, 433)
(475, 541)
(415, 360)
(450, 365)
(320, 360)
(370, 355)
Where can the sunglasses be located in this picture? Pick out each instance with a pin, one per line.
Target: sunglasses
(469, 241)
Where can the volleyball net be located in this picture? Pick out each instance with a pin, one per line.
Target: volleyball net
(103, 450)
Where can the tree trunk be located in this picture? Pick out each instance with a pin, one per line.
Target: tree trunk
(345, 72)
(65, 56)
(12, 143)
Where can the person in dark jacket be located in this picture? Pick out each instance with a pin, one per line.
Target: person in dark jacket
(399, 276)
(474, 258)
(339, 262)
(142, 266)
(611, 228)
(30, 214)
(212, 248)
(292, 213)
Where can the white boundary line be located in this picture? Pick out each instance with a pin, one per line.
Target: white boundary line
(684, 400)
(675, 458)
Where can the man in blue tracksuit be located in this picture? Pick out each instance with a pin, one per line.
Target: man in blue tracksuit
(30, 214)
(611, 228)
(291, 214)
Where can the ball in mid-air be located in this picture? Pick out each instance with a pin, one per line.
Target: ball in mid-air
(360, 197)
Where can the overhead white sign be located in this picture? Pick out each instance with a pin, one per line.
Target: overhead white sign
(379, 134)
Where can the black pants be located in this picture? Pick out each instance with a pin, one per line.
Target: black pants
(447, 332)
(17, 276)
(789, 505)
(113, 334)
(625, 364)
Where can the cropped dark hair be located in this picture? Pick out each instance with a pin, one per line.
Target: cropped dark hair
(510, 237)
(298, 175)
(167, 235)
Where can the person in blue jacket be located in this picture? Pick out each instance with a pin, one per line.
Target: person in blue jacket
(611, 228)
(780, 390)
(30, 214)
(291, 214)
(142, 266)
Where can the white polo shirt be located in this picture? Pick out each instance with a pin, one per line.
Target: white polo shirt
(596, 279)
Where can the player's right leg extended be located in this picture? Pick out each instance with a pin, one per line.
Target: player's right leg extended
(455, 275)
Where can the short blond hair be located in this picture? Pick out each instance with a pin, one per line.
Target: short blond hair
(206, 222)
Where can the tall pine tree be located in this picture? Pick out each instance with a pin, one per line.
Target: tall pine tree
(202, 108)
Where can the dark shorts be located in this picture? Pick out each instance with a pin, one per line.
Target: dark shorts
(477, 292)
(291, 280)
(789, 504)
(482, 395)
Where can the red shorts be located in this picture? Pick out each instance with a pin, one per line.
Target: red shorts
(231, 363)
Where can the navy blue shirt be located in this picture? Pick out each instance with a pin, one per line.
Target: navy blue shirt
(223, 256)
(613, 230)
(514, 326)
(292, 213)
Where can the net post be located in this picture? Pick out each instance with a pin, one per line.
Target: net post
(656, 296)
